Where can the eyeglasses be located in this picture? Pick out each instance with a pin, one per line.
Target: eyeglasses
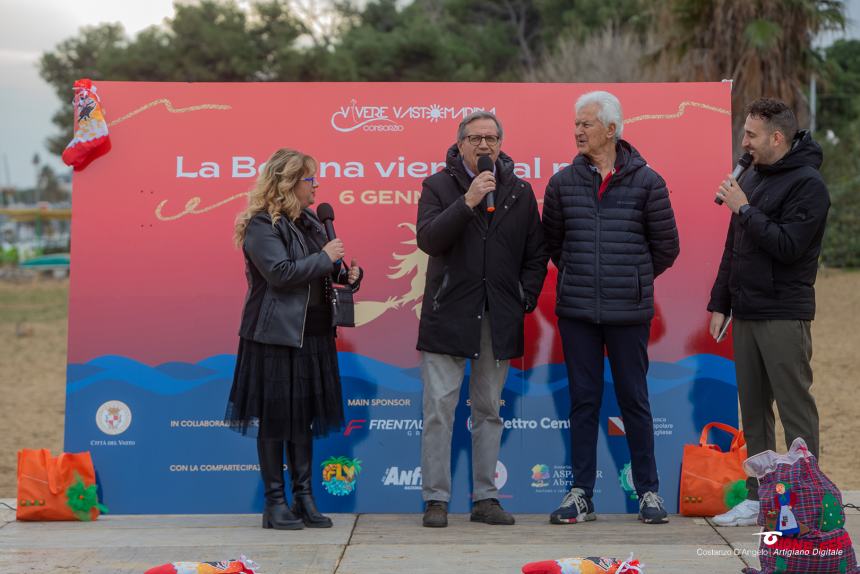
(312, 180)
(476, 140)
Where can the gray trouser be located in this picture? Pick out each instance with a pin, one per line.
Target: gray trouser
(442, 376)
(772, 362)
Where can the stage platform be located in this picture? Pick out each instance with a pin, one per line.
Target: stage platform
(371, 544)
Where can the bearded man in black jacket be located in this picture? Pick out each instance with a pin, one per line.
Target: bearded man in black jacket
(485, 272)
(611, 231)
(766, 283)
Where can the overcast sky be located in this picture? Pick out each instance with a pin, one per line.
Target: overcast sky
(30, 27)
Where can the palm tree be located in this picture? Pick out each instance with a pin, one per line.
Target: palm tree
(764, 46)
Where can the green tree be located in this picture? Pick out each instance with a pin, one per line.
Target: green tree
(765, 46)
(207, 41)
(839, 97)
(839, 133)
(50, 189)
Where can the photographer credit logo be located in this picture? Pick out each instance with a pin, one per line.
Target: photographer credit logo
(113, 417)
(339, 474)
(769, 537)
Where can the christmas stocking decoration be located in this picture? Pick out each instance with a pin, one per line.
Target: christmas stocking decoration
(91, 139)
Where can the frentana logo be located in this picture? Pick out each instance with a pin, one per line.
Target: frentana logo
(339, 474)
(356, 116)
(113, 417)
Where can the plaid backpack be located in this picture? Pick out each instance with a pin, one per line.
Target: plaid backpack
(801, 512)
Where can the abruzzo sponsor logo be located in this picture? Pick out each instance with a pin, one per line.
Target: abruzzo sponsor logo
(556, 479)
(384, 118)
(406, 478)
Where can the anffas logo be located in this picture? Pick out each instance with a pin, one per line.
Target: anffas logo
(388, 118)
(339, 474)
(113, 417)
(408, 478)
(540, 475)
(501, 477)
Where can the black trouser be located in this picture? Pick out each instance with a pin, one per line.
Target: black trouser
(627, 348)
(773, 363)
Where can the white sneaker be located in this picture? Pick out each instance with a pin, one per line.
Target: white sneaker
(744, 514)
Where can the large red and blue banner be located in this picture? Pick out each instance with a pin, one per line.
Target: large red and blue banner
(157, 289)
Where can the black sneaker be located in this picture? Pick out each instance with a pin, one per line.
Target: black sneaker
(436, 514)
(651, 509)
(575, 507)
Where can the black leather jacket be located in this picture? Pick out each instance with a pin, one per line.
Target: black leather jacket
(279, 266)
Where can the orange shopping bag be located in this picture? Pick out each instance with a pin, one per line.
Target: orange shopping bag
(56, 488)
(707, 473)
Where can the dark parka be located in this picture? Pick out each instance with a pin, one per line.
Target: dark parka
(609, 250)
(279, 267)
(770, 259)
(476, 261)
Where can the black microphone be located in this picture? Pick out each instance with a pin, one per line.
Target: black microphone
(485, 163)
(743, 163)
(325, 213)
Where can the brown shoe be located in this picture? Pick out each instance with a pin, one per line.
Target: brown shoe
(489, 511)
(436, 514)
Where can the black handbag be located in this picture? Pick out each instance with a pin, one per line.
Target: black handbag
(342, 306)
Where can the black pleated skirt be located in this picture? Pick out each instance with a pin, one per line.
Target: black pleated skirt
(286, 393)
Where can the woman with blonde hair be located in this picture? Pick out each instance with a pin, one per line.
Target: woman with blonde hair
(286, 386)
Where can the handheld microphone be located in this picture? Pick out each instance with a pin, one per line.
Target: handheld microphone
(743, 163)
(325, 213)
(486, 164)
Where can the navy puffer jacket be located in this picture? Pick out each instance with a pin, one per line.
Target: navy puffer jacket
(609, 250)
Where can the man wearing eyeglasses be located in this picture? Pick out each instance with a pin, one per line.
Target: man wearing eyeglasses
(610, 231)
(485, 272)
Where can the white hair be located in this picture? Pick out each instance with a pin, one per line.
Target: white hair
(608, 109)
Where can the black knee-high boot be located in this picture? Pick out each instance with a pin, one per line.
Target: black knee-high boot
(276, 513)
(301, 455)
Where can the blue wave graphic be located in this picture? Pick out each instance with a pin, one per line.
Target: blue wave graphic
(176, 378)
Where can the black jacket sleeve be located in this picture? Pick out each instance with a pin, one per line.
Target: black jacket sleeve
(439, 227)
(660, 227)
(533, 268)
(552, 223)
(721, 298)
(804, 213)
(267, 251)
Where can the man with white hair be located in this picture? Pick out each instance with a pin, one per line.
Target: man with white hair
(610, 230)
